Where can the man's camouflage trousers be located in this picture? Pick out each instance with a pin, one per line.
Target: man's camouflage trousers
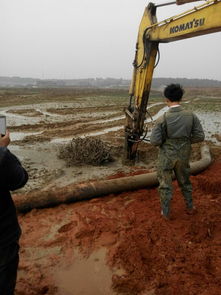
(174, 157)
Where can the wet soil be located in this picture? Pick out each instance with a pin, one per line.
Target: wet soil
(120, 244)
(117, 244)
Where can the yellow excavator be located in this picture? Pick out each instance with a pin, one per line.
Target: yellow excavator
(200, 20)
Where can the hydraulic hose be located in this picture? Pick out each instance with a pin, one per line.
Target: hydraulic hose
(79, 192)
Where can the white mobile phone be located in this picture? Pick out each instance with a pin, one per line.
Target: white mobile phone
(2, 125)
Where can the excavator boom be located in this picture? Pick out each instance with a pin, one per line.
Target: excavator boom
(201, 20)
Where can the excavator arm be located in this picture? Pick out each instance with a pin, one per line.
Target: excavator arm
(201, 20)
(144, 61)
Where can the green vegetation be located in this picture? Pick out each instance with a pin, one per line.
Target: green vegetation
(201, 99)
(202, 106)
(23, 96)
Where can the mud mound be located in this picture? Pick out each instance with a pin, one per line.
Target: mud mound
(146, 254)
(209, 182)
(88, 150)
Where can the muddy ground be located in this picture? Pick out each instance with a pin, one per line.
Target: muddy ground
(118, 244)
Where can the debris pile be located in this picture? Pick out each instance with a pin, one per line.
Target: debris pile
(88, 150)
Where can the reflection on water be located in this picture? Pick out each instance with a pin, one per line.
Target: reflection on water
(211, 122)
(17, 119)
(22, 135)
(111, 129)
(93, 133)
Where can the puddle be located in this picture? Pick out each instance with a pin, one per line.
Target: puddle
(211, 123)
(22, 135)
(104, 131)
(86, 276)
(46, 113)
(16, 119)
(110, 120)
(111, 129)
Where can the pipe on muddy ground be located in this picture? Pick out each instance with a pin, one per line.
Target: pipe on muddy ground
(86, 191)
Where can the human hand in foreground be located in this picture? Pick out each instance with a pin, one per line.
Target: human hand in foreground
(5, 140)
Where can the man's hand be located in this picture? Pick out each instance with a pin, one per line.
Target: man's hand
(5, 140)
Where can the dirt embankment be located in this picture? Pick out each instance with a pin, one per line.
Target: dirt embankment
(146, 254)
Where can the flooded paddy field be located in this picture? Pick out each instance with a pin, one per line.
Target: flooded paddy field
(117, 244)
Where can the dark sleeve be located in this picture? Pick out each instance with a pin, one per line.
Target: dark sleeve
(197, 133)
(12, 175)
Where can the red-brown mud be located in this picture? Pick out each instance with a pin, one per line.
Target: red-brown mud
(146, 254)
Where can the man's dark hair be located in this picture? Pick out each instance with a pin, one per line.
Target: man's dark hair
(174, 92)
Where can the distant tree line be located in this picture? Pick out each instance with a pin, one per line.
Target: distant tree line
(159, 82)
(101, 82)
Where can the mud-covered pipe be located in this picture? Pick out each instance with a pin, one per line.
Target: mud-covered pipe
(79, 192)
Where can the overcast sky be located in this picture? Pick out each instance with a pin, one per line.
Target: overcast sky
(69, 39)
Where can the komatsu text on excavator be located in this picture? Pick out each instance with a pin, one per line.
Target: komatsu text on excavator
(201, 20)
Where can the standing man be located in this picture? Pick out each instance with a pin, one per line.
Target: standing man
(12, 177)
(174, 133)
